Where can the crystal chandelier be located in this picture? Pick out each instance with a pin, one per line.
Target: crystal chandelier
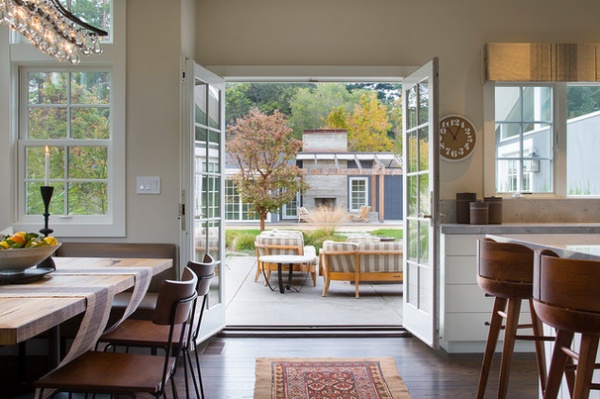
(51, 28)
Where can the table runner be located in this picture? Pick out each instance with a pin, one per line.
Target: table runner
(142, 277)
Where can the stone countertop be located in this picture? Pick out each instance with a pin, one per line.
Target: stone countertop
(522, 228)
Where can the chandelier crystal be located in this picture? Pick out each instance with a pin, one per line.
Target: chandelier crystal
(52, 28)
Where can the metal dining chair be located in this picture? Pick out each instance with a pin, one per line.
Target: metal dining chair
(127, 373)
(138, 333)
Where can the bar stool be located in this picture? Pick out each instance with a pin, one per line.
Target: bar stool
(505, 271)
(565, 294)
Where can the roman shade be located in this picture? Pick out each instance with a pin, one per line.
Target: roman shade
(541, 62)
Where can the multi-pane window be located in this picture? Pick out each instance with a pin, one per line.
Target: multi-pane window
(65, 141)
(358, 193)
(524, 139)
(544, 149)
(235, 208)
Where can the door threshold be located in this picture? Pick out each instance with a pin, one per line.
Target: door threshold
(350, 331)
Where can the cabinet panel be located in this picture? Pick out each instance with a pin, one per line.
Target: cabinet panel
(460, 244)
(463, 298)
(460, 270)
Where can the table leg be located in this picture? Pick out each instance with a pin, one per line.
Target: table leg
(280, 278)
(289, 284)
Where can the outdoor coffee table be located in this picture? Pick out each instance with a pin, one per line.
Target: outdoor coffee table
(281, 260)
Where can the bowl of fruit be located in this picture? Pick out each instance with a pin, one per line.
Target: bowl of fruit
(21, 251)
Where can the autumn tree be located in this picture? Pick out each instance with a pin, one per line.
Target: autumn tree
(367, 125)
(263, 149)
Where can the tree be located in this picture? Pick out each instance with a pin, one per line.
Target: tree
(310, 108)
(367, 125)
(263, 149)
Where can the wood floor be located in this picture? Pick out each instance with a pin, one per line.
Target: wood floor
(228, 366)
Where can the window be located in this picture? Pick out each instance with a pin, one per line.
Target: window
(524, 144)
(77, 113)
(235, 209)
(546, 139)
(358, 193)
(66, 113)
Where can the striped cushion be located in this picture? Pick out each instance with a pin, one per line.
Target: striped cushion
(283, 240)
(340, 262)
(380, 262)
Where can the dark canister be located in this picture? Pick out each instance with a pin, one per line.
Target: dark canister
(478, 212)
(494, 209)
(462, 206)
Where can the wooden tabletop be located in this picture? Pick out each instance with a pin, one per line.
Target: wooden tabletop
(29, 309)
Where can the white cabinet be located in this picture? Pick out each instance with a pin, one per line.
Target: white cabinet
(464, 309)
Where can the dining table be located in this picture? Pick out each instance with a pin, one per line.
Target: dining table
(78, 286)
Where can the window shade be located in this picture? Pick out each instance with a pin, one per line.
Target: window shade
(542, 62)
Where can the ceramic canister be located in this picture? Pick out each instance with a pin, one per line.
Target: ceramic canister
(462, 206)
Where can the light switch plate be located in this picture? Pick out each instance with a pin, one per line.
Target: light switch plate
(148, 184)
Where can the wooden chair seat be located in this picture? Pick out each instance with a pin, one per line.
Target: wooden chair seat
(505, 271)
(122, 372)
(565, 293)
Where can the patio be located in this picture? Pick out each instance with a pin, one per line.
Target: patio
(253, 304)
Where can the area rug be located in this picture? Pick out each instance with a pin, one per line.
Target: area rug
(328, 378)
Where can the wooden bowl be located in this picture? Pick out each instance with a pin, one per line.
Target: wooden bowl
(16, 260)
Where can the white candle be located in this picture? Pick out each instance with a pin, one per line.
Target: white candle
(47, 177)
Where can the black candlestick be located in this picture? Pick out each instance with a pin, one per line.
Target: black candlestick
(47, 192)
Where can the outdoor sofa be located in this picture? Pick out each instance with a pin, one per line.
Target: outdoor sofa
(361, 259)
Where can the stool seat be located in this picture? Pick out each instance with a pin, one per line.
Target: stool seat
(565, 296)
(505, 271)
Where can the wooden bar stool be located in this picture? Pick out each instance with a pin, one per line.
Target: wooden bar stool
(565, 293)
(505, 271)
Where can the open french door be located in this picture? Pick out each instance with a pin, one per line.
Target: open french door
(421, 202)
(203, 182)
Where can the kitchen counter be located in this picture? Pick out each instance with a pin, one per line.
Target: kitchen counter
(522, 228)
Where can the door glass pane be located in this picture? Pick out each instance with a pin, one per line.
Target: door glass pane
(411, 117)
(423, 88)
(200, 103)
(424, 196)
(413, 193)
(214, 108)
(412, 155)
(424, 242)
(423, 149)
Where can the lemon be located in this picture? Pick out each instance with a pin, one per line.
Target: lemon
(50, 240)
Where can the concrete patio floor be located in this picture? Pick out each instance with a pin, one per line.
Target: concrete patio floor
(253, 304)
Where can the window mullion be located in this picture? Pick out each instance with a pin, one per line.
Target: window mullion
(560, 139)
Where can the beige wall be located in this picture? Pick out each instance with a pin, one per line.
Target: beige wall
(309, 32)
(392, 33)
(153, 59)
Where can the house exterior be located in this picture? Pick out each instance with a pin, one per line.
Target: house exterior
(339, 178)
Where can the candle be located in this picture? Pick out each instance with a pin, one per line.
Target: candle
(47, 176)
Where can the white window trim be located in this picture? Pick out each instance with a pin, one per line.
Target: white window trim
(350, 180)
(114, 58)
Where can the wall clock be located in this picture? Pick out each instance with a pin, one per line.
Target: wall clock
(457, 138)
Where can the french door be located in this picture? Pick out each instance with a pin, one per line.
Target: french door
(203, 182)
(421, 202)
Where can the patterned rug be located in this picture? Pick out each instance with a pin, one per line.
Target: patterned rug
(328, 378)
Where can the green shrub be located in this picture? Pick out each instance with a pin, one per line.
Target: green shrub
(316, 237)
(240, 240)
(396, 233)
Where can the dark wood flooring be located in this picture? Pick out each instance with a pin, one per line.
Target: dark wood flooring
(228, 365)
